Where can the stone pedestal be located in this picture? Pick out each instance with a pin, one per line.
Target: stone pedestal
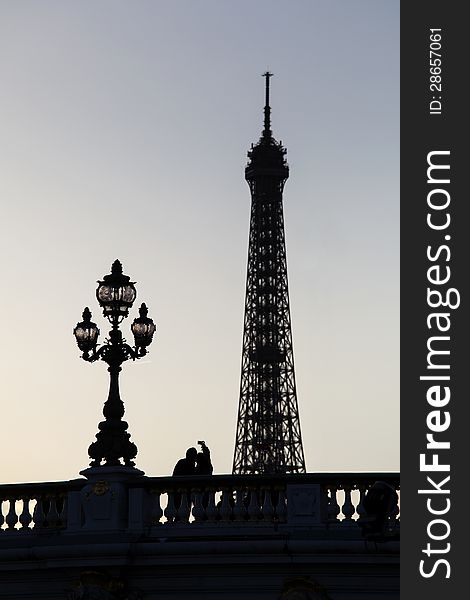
(105, 498)
(306, 505)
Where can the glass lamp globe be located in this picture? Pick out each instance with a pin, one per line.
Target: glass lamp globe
(116, 293)
(86, 333)
(143, 328)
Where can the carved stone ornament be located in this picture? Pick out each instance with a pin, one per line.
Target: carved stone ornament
(100, 488)
(90, 592)
(302, 589)
(95, 585)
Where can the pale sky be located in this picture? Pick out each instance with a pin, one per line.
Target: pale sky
(124, 128)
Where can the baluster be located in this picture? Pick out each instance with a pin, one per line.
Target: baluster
(52, 516)
(12, 517)
(392, 520)
(398, 504)
(156, 513)
(281, 505)
(254, 511)
(348, 507)
(267, 508)
(239, 510)
(184, 508)
(198, 508)
(333, 506)
(225, 510)
(211, 510)
(362, 489)
(63, 510)
(2, 518)
(38, 514)
(170, 510)
(25, 517)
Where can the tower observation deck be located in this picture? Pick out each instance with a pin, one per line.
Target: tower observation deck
(268, 438)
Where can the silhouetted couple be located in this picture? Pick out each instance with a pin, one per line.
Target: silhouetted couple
(195, 463)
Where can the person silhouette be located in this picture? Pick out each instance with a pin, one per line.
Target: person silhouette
(186, 466)
(203, 460)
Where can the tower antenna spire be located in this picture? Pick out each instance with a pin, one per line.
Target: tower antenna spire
(267, 108)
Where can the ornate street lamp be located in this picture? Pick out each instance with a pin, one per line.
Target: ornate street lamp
(115, 294)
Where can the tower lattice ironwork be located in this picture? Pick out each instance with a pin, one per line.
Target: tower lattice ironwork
(268, 430)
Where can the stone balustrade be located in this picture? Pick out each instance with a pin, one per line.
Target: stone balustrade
(108, 502)
(41, 506)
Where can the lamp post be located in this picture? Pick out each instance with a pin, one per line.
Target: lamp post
(115, 294)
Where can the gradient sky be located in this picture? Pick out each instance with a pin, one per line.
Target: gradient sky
(124, 128)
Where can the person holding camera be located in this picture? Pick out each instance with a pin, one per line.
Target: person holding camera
(203, 460)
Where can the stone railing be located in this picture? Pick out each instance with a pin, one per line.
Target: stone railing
(259, 498)
(117, 500)
(38, 506)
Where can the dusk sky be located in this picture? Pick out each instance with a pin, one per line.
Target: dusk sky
(124, 128)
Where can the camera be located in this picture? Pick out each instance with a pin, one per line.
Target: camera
(201, 442)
